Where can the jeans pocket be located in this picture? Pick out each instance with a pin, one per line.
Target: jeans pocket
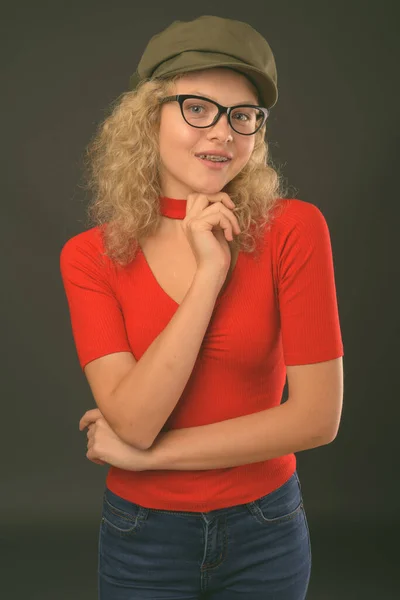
(120, 516)
(281, 505)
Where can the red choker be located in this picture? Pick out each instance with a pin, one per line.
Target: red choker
(173, 208)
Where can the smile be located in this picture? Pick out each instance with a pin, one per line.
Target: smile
(212, 164)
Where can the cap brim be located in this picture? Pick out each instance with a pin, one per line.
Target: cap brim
(183, 63)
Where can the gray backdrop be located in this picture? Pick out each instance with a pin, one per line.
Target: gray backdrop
(334, 133)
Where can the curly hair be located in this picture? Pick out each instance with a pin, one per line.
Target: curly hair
(122, 171)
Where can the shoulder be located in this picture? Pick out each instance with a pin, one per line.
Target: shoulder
(289, 212)
(87, 243)
(84, 255)
(297, 220)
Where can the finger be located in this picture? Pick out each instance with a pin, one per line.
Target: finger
(85, 420)
(90, 446)
(91, 456)
(227, 199)
(217, 216)
(199, 202)
(212, 223)
(221, 197)
(91, 430)
(225, 211)
(89, 417)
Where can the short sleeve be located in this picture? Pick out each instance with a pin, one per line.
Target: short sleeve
(97, 322)
(308, 305)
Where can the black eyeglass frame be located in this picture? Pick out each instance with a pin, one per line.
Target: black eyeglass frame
(180, 98)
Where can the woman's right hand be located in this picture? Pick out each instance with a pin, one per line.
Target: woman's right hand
(209, 225)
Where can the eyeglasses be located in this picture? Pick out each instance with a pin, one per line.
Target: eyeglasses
(200, 112)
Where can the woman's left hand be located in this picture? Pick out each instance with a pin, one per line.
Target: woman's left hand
(104, 445)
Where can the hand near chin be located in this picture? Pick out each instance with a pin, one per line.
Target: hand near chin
(210, 224)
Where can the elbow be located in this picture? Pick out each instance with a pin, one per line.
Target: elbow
(144, 445)
(332, 428)
(332, 437)
(320, 435)
(326, 428)
(129, 434)
(129, 429)
(328, 434)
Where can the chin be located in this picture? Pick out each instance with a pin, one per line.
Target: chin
(209, 188)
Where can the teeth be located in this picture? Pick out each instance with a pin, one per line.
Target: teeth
(213, 157)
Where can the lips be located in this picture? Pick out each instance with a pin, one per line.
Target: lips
(215, 153)
(212, 164)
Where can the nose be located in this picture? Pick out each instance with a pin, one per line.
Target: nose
(221, 128)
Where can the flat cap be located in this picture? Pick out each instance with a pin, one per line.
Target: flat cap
(208, 42)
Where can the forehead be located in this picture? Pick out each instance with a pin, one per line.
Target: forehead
(221, 84)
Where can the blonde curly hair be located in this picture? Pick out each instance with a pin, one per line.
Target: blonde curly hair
(122, 171)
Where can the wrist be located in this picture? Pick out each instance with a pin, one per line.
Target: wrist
(211, 281)
(155, 456)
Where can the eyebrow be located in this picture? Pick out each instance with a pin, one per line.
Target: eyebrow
(211, 98)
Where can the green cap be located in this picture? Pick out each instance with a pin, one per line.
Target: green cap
(208, 42)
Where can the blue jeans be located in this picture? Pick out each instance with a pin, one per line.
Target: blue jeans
(255, 551)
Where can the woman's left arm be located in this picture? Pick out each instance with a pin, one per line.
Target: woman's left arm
(243, 440)
(309, 418)
(239, 441)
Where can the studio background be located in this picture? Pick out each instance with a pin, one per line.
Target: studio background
(334, 134)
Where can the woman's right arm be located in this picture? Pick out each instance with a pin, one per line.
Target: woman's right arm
(137, 397)
(144, 398)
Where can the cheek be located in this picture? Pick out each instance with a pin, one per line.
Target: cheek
(244, 153)
(177, 144)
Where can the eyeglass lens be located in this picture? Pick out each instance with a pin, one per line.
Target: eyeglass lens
(201, 113)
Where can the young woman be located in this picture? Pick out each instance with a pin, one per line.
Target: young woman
(199, 288)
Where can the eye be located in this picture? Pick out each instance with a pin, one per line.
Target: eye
(195, 106)
(246, 116)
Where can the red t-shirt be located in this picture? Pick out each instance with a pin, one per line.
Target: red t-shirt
(278, 310)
